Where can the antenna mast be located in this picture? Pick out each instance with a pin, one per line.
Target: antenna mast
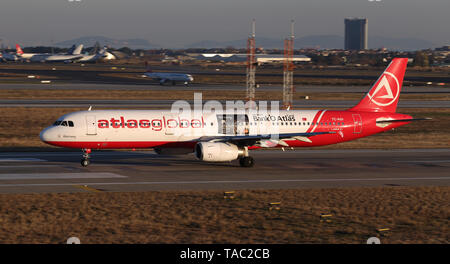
(288, 70)
(251, 65)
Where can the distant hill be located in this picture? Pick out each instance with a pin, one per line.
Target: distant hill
(399, 43)
(105, 41)
(321, 42)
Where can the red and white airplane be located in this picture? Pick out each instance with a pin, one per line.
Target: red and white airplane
(227, 136)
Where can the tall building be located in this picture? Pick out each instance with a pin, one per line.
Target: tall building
(356, 34)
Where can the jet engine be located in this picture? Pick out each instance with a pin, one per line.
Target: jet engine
(217, 151)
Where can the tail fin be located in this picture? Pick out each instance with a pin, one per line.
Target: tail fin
(19, 50)
(78, 49)
(147, 67)
(384, 94)
(70, 51)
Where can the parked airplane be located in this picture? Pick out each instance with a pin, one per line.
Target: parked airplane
(74, 54)
(26, 56)
(166, 77)
(228, 136)
(94, 57)
(5, 56)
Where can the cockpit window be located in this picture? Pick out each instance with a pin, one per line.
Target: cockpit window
(64, 123)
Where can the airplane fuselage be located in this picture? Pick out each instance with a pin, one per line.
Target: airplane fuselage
(163, 77)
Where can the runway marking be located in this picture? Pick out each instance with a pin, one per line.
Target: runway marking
(423, 161)
(222, 182)
(20, 160)
(28, 166)
(38, 176)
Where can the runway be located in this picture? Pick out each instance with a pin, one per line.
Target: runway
(29, 172)
(166, 104)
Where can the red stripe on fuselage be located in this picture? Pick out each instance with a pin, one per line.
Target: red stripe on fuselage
(314, 121)
(122, 144)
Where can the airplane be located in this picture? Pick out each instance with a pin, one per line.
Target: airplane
(5, 56)
(74, 54)
(166, 77)
(219, 138)
(94, 57)
(26, 56)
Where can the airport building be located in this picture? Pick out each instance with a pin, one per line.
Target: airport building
(356, 34)
(260, 58)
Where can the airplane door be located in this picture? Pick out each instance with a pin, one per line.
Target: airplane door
(233, 124)
(91, 125)
(357, 123)
(241, 125)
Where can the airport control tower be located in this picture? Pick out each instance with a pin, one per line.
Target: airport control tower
(356, 34)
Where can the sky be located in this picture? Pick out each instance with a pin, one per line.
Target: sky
(174, 23)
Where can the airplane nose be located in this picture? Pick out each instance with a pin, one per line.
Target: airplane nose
(42, 135)
(46, 134)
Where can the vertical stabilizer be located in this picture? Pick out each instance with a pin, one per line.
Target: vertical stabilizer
(384, 94)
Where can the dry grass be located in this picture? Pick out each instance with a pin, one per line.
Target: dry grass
(188, 94)
(414, 215)
(21, 128)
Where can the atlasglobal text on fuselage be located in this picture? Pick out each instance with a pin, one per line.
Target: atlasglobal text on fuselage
(229, 135)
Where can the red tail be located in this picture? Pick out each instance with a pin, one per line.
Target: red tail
(384, 94)
(19, 50)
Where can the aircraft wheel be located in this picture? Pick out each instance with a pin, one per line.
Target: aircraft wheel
(85, 162)
(246, 162)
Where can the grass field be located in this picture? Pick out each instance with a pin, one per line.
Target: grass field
(413, 215)
(188, 94)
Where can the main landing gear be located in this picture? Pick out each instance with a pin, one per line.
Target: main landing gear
(85, 160)
(246, 161)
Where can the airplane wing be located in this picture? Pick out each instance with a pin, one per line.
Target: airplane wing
(252, 140)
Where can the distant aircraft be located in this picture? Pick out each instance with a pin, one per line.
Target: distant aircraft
(26, 56)
(75, 53)
(5, 56)
(227, 136)
(166, 77)
(101, 54)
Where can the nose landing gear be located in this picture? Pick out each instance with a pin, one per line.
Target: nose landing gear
(85, 160)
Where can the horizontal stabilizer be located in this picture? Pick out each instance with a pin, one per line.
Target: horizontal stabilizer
(403, 120)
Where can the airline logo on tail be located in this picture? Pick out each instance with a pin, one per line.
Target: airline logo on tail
(384, 94)
(19, 49)
(387, 90)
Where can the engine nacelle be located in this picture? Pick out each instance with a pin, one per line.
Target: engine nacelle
(217, 152)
